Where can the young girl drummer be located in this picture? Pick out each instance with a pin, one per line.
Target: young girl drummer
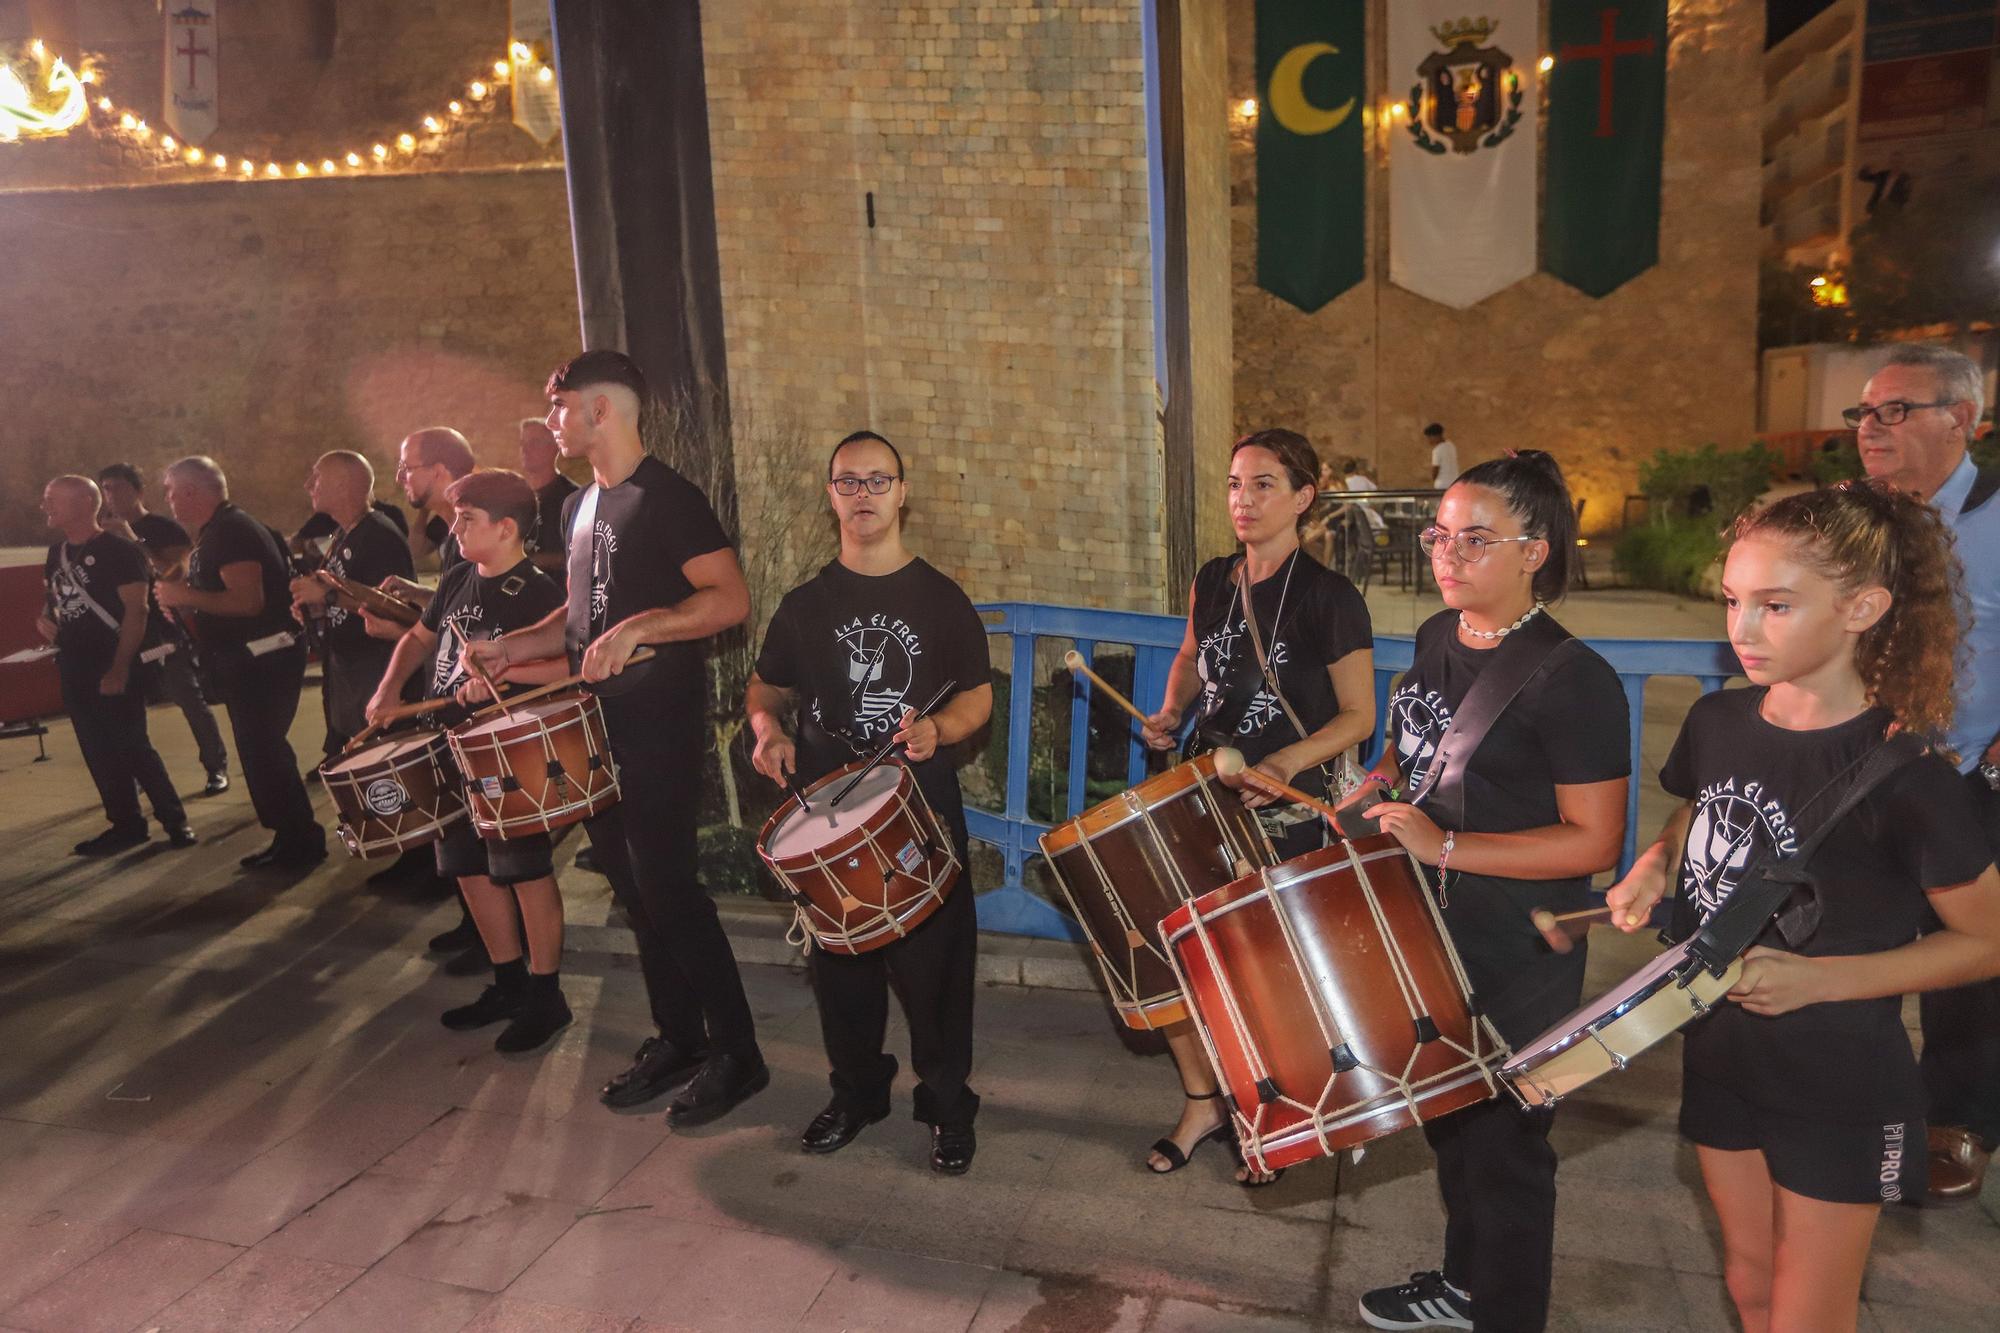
(1542, 809)
(1801, 1094)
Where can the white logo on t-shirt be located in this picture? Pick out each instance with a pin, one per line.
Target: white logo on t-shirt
(879, 653)
(603, 547)
(1421, 718)
(459, 625)
(1723, 837)
(67, 596)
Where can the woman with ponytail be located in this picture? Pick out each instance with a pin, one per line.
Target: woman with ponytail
(1529, 805)
(1800, 1091)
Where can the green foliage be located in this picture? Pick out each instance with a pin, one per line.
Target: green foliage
(1710, 483)
(729, 863)
(1670, 556)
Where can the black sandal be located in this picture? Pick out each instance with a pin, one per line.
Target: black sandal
(1167, 1148)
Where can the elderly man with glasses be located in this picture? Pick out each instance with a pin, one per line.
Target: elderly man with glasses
(1915, 423)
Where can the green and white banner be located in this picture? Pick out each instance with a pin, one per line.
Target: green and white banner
(1311, 159)
(1607, 121)
(1462, 146)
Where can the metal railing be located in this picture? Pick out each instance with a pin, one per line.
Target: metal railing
(1154, 639)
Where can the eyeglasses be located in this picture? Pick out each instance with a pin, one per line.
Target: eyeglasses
(878, 484)
(1469, 547)
(1891, 413)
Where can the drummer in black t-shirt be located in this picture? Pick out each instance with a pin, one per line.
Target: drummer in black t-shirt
(493, 590)
(858, 649)
(365, 548)
(1800, 1091)
(1530, 809)
(97, 619)
(649, 566)
(237, 592)
(552, 492)
(1316, 704)
(427, 462)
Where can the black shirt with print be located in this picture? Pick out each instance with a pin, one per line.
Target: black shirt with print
(1756, 786)
(232, 537)
(645, 528)
(85, 645)
(1309, 617)
(468, 605)
(1567, 727)
(550, 501)
(367, 553)
(860, 649)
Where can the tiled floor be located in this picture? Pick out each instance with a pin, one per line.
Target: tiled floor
(226, 1103)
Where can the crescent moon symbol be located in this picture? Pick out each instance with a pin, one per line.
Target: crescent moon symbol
(1287, 94)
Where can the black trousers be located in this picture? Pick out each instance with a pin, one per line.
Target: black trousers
(179, 684)
(111, 732)
(262, 696)
(932, 970)
(347, 682)
(1961, 1058)
(646, 847)
(1497, 1172)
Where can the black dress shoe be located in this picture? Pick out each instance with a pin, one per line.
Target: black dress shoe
(218, 783)
(724, 1082)
(461, 936)
(111, 842)
(493, 1005)
(301, 857)
(470, 963)
(657, 1067)
(952, 1147)
(181, 837)
(836, 1127)
(257, 860)
(586, 859)
(539, 1018)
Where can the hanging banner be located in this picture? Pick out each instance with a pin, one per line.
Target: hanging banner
(193, 60)
(537, 107)
(1311, 161)
(1607, 121)
(1462, 147)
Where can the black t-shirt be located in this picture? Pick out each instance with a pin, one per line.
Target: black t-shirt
(860, 649)
(1309, 617)
(233, 537)
(645, 529)
(369, 552)
(159, 534)
(319, 525)
(85, 645)
(469, 605)
(1567, 727)
(1756, 785)
(548, 534)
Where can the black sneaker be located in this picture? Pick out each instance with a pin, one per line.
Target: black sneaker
(539, 1018)
(218, 783)
(586, 859)
(1425, 1301)
(723, 1083)
(658, 1066)
(181, 837)
(492, 1006)
(111, 842)
(461, 936)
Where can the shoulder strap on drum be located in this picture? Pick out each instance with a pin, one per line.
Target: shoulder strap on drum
(1528, 652)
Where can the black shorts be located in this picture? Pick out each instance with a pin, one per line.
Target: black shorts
(461, 851)
(1829, 1160)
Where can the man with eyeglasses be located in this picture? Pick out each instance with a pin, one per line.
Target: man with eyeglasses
(649, 566)
(427, 463)
(1915, 424)
(857, 650)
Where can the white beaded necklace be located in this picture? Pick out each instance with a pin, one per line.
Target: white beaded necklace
(1492, 634)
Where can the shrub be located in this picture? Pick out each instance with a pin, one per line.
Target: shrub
(1710, 481)
(1671, 555)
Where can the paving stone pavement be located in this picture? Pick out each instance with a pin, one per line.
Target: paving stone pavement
(226, 1103)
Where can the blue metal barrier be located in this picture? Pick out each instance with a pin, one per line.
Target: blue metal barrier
(1154, 639)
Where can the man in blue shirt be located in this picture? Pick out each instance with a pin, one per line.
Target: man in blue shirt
(1916, 419)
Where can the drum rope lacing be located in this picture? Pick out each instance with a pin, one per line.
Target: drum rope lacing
(541, 820)
(843, 933)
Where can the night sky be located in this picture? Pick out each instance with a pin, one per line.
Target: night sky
(1782, 17)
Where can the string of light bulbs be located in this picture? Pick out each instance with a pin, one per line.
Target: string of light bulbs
(80, 98)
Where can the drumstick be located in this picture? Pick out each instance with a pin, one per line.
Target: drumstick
(1229, 763)
(875, 760)
(528, 696)
(477, 672)
(1551, 925)
(1074, 661)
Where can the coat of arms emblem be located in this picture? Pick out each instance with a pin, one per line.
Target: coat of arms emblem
(1467, 96)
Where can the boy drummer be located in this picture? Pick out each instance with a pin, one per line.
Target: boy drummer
(496, 589)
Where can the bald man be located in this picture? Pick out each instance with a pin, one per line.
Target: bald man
(237, 594)
(366, 548)
(97, 618)
(552, 492)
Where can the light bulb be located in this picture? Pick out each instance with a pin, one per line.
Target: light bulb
(273, 170)
(455, 107)
(104, 104)
(545, 74)
(221, 162)
(431, 124)
(194, 157)
(499, 69)
(354, 159)
(128, 121)
(406, 142)
(168, 145)
(478, 90)
(1545, 64)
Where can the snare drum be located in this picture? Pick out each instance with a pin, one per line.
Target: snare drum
(395, 794)
(536, 768)
(1608, 1033)
(865, 874)
(1332, 1002)
(1124, 864)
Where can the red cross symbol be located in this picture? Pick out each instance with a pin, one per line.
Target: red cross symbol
(1606, 53)
(191, 51)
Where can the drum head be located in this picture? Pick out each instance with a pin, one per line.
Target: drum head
(413, 745)
(1609, 1005)
(537, 710)
(803, 830)
(366, 758)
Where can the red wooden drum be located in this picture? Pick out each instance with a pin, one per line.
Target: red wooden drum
(536, 768)
(395, 794)
(867, 873)
(1332, 1002)
(1127, 862)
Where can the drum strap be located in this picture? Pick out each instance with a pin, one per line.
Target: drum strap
(1537, 647)
(1339, 772)
(1773, 885)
